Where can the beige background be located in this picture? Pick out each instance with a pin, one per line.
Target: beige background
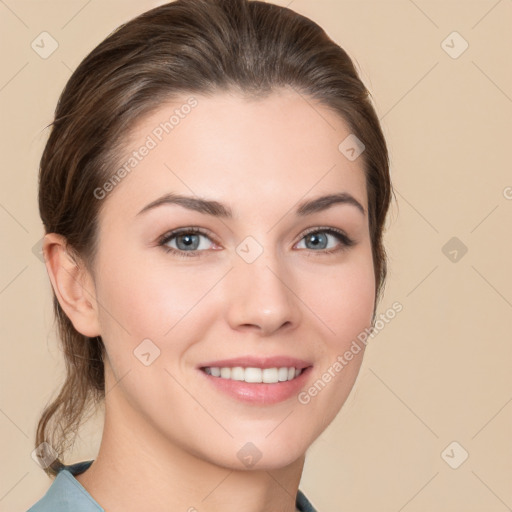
(440, 371)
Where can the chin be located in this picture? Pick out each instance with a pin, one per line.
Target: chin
(261, 452)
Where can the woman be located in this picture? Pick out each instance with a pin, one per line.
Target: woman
(213, 192)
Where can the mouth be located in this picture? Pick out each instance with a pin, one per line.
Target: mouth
(253, 374)
(256, 380)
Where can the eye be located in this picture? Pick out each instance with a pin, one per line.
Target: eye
(325, 240)
(186, 241)
(191, 241)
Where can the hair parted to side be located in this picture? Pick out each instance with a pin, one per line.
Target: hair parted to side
(183, 47)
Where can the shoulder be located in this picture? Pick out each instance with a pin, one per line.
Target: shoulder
(66, 494)
(303, 504)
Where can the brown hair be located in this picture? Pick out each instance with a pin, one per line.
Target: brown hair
(187, 46)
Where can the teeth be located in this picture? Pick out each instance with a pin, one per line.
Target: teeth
(282, 374)
(250, 374)
(265, 375)
(237, 373)
(270, 375)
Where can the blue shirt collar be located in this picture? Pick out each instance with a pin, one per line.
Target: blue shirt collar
(66, 493)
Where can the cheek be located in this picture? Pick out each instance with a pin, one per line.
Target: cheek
(343, 296)
(146, 297)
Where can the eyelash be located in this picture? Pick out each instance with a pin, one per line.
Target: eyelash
(165, 239)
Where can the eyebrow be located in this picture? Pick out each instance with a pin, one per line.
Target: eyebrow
(216, 209)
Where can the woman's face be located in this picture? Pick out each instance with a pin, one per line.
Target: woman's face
(265, 282)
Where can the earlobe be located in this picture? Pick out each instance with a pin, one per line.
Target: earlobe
(72, 285)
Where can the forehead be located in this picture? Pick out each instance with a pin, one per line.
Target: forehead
(244, 152)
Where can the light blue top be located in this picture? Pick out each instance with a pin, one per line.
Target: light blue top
(66, 494)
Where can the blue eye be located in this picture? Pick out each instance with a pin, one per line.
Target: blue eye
(321, 240)
(190, 242)
(187, 242)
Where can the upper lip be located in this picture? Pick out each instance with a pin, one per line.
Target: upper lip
(258, 362)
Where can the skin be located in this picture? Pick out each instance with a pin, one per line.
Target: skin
(164, 426)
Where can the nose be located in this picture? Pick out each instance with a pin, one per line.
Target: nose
(261, 297)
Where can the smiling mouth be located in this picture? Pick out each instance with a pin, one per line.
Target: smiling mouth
(253, 374)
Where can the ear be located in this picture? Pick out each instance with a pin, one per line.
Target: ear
(73, 285)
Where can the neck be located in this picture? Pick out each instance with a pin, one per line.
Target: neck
(138, 469)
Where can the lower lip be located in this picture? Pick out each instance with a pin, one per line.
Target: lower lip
(260, 393)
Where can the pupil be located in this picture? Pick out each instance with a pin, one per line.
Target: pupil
(187, 241)
(317, 240)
